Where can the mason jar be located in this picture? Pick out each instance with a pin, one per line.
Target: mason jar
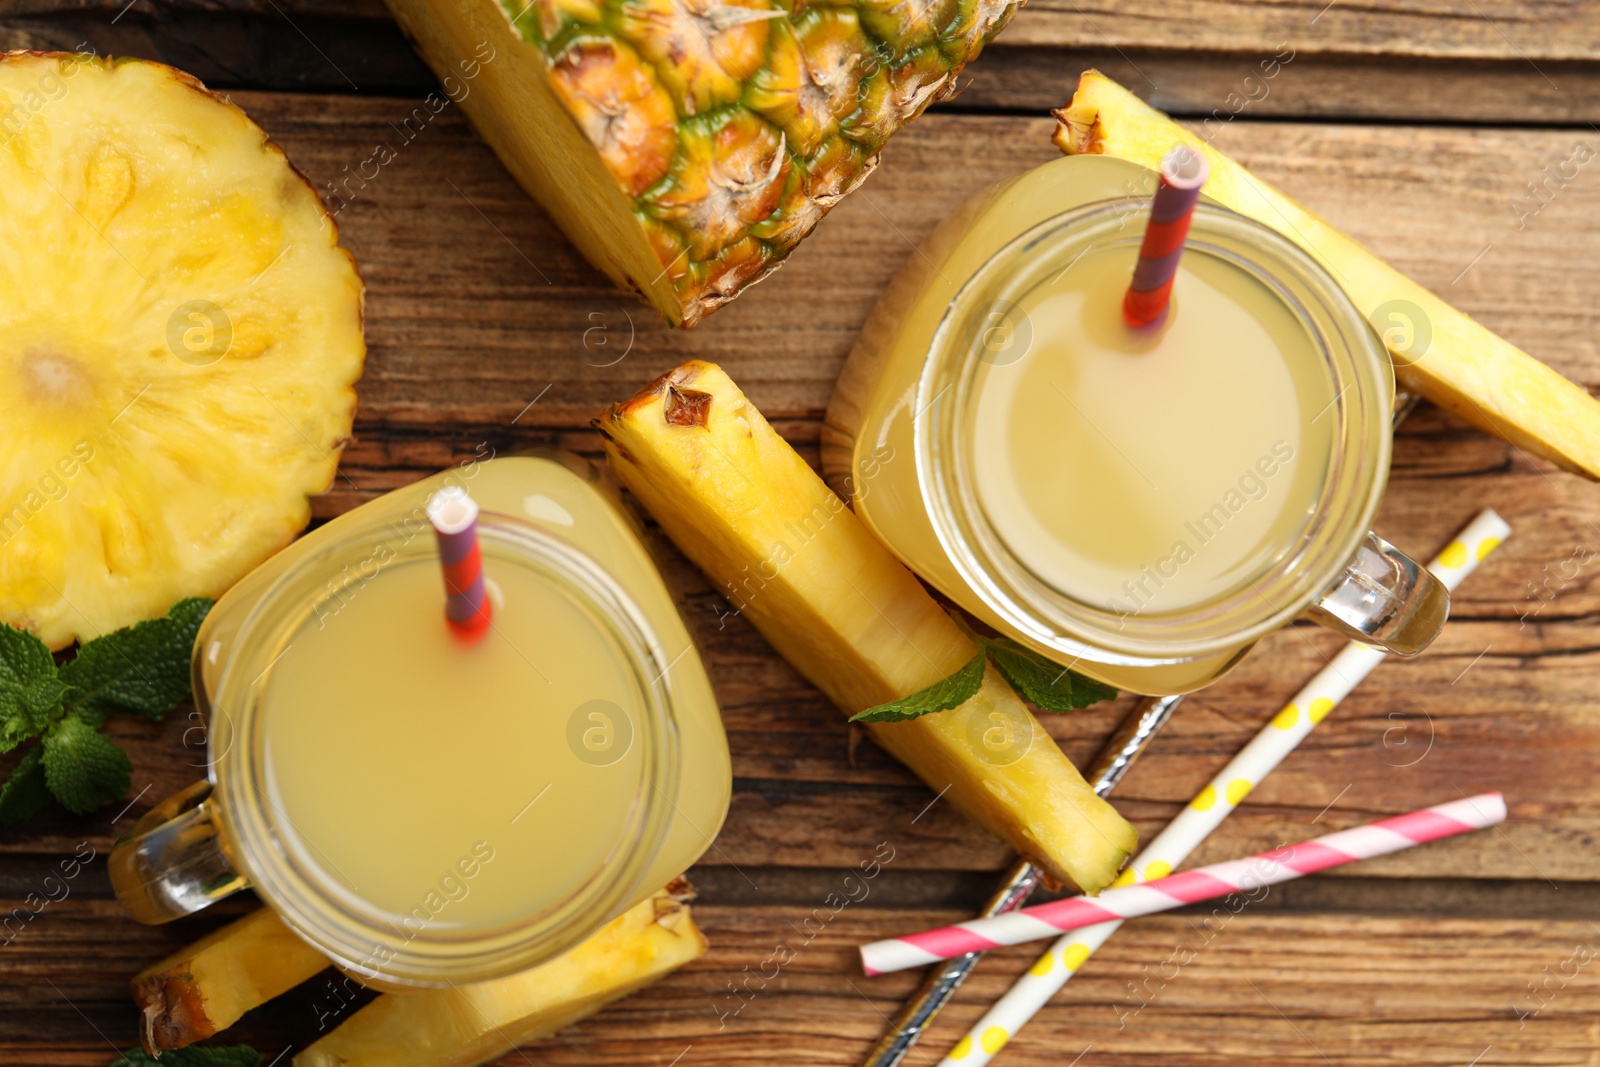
(933, 384)
(424, 841)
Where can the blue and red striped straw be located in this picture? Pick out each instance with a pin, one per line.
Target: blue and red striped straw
(1183, 172)
(454, 515)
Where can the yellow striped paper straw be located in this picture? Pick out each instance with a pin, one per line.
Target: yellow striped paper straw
(1213, 804)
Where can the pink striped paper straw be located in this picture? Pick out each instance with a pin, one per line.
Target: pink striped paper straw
(1187, 887)
(1183, 172)
(454, 515)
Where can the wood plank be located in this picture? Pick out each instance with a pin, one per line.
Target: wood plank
(239, 46)
(1024, 78)
(342, 48)
(1262, 987)
(371, 10)
(1540, 32)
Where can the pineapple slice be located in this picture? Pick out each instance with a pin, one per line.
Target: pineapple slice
(470, 1024)
(744, 506)
(179, 337)
(205, 987)
(1465, 369)
(686, 146)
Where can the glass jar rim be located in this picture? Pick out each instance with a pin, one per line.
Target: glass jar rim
(1074, 628)
(359, 937)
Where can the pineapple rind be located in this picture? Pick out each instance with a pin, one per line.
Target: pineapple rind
(1466, 369)
(135, 476)
(464, 1025)
(743, 505)
(206, 986)
(810, 74)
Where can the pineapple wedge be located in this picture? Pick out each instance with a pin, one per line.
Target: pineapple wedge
(470, 1024)
(744, 506)
(205, 987)
(1466, 369)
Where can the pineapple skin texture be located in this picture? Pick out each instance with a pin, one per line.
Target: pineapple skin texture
(728, 490)
(180, 335)
(687, 146)
(1466, 369)
(470, 1024)
(205, 987)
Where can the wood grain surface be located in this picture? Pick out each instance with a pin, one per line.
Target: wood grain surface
(487, 329)
(1497, 62)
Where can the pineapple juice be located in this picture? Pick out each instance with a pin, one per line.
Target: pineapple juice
(431, 777)
(1149, 471)
(427, 811)
(1138, 505)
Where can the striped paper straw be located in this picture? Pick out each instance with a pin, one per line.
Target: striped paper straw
(454, 515)
(1212, 805)
(1188, 887)
(1183, 172)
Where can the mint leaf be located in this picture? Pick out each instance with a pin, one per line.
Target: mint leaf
(193, 1056)
(82, 767)
(1050, 686)
(24, 793)
(942, 695)
(26, 668)
(43, 695)
(143, 669)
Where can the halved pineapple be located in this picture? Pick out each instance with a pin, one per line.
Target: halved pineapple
(686, 146)
(834, 602)
(206, 986)
(179, 337)
(469, 1024)
(1464, 368)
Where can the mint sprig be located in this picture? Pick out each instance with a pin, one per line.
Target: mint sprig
(140, 670)
(942, 695)
(1043, 682)
(193, 1056)
(1037, 679)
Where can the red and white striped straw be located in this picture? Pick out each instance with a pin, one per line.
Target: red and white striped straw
(1187, 887)
(1183, 172)
(454, 515)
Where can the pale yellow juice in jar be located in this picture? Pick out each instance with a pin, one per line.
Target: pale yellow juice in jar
(1150, 470)
(429, 811)
(454, 799)
(1135, 472)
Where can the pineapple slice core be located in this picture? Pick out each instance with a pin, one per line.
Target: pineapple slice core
(179, 338)
(49, 377)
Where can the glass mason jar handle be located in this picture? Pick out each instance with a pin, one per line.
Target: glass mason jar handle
(173, 863)
(1385, 598)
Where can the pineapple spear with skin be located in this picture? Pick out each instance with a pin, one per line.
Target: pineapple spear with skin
(686, 146)
(179, 338)
(205, 987)
(459, 1026)
(743, 505)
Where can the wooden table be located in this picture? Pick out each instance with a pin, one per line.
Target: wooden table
(1414, 126)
